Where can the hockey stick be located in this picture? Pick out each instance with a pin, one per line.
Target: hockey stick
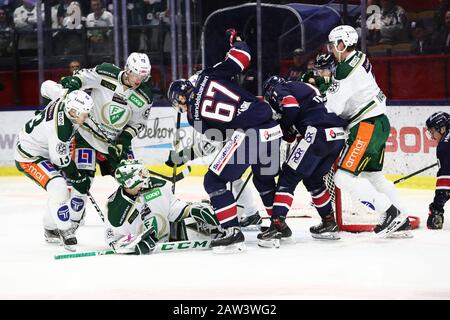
(160, 247)
(245, 183)
(97, 208)
(415, 173)
(177, 129)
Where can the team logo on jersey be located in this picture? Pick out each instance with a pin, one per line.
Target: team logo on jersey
(115, 113)
(77, 204)
(61, 148)
(136, 100)
(334, 87)
(60, 118)
(63, 213)
(243, 107)
(151, 195)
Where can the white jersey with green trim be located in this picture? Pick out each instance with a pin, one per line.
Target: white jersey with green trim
(48, 135)
(154, 207)
(116, 107)
(354, 94)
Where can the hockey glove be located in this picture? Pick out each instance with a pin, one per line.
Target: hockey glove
(232, 36)
(435, 219)
(82, 183)
(147, 243)
(179, 158)
(71, 83)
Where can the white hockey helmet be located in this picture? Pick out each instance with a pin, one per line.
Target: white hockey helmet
(346, 34)
(131, 173)
(139, 64)
(78, 101)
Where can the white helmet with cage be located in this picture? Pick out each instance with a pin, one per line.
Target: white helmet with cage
(346, 34)
(132, 173)
(78, 101)
(139, 64)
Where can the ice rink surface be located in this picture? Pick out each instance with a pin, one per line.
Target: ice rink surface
(358, 266)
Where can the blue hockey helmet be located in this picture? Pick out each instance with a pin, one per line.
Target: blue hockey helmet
(178, 93)
(269, 91)
(438, 120)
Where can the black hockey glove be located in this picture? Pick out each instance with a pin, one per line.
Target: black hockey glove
(179, 158)
(147, 243)
(71, 83)
(435, 219)
(82, 183)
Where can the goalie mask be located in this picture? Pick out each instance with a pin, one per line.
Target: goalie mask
(270, 94)
(131, 174)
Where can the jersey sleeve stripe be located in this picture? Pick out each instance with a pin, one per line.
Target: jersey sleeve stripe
(443, 183)
(241, 57)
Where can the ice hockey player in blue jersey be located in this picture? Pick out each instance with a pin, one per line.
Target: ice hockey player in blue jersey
(219, 108)
(438, 125)
(300, 109)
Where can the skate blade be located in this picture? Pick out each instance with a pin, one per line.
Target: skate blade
(270, 243)
(69, 248)
(253, 227)
(393, 226)
(407, 234)
(326, 236)
(232, 248)
(52, 240)
(288, 240)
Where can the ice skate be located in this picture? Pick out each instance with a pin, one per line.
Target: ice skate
(68, 239)
(251, 222)
(326, 230)
(390, 221)
(278, 230)
(403, 232)
(230, 241)
(51, 236)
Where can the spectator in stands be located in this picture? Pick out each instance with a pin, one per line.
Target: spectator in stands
(443, 38)
(74, 66)
(25, 20)
(294, 72)
(393, 22)
(5, 34)
(439, 18)
(99, 39)
(69, 41)
(421, 43)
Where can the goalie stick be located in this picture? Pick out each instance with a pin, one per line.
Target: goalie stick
(162, 247)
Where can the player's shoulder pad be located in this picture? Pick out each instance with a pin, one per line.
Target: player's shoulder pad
(64, 126)
(108, 70)
(344, 69)
(146, 91)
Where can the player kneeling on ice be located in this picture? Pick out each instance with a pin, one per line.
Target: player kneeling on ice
(140, 211)
(43, 154)
(300, 109)
(438, 125)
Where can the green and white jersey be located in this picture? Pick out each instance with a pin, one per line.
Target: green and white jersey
(48, 135)
(152, 207)
(354, 94)
(116, 107)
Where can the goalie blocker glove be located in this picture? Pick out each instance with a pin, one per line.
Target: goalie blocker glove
(147, 243)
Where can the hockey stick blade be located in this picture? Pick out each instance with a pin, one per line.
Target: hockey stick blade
(160, 247)
(180, 176)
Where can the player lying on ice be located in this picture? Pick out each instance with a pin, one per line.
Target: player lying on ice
(141, 210)
(43, 154)
(219, 108)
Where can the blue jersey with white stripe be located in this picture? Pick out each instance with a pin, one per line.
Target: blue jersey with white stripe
(442, 193)
(217, 101)
(302, 106)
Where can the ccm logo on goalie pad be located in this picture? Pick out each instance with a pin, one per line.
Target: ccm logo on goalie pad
(85, 159)
(226, 152)
(299, 151)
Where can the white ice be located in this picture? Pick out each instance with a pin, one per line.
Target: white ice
(358, 266)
